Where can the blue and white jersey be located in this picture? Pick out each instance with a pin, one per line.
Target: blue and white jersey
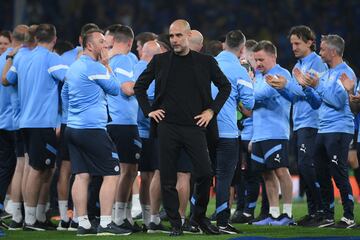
(123, 109)
(305, 109)
(38, 91)
(68, 58)
(272, 110)
(6, 110)
(88, 82)
(247, 131)
(334, 113)
(241, 90)
(144, 122)
(133, 58)
(18, 70)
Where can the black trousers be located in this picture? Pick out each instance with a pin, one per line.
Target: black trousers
(331, 161)
(305, 143)
(172, 139)
(7, 160)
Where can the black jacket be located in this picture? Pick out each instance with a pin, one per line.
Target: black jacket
(206, 70)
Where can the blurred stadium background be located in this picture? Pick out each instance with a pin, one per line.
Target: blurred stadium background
(258, 19)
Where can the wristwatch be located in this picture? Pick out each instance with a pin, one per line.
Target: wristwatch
(9, 56)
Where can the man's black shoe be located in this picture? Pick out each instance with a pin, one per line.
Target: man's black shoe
(4, 215)
(205, 226)
(63, 226)
(157, 228)
(112, 229)
(15, 226)
(37, 226)
(306, 220)
(73, 226)
(188, 228)
(136, 228)
(3, 225)
(86, 232)
(49, 226)
(345, 223)
(175, 231)
(228, 229)
(241, 218)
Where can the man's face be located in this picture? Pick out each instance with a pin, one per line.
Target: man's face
(300, 48)
(264, 61)
(4, 44)
(179, 38)
(326, 52)
(109, 41)
(97, 44)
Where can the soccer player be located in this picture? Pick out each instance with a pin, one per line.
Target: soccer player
(64, 163)
(38, 115)
(91, 150)
(336, 128)
(122, 127)
(227, 147)
(7, 123)
(305, 115)
(271, 134)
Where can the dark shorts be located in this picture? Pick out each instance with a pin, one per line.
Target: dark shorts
(269, 154)
(149, 160)
(20, 144)
(63, 153)
(184, 163)
(92, 151)
(41, 146)
(127, 141)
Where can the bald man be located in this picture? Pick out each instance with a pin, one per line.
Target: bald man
(196, 41)
(182, 115)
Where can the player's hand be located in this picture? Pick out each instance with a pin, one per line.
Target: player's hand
(104, 57)
(299, 76)
(204, 118)
(277, 81)
(355, 98)
(347, 83)
(311, 80)
(157, 115)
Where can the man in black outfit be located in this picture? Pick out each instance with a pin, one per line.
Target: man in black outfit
(182, 115)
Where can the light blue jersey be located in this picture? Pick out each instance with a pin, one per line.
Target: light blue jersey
(144, 122)
(17, 71)
(123, 109)
(334, 114)
(68, 58)
(88, 82)
(272, 110)
(133, 58)
(6, 110)
(305, 108)
(247, 131)
(38, 91)
(241, 90)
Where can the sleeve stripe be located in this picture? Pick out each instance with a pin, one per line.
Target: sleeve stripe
(99, 77)
(57, 67)
(245, 83)
(13, 69)
(124, 72)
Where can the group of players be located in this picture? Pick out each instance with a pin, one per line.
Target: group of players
(96, 81)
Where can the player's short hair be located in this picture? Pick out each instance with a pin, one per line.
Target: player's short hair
(266, 46)
(335, 42)
(304, 33)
